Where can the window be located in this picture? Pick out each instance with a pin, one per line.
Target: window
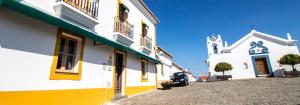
(68, 54)
(123, 12)
(144, 70)
(146, 41)
(245, 65)
(215, 48)
(145, 29)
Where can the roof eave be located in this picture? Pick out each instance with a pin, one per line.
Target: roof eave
(165, 52)
(151, 13)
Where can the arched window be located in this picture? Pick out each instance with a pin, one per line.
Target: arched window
(245, 65)
(215, 48)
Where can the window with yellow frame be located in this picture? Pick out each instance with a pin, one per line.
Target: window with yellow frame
(144, 70)
(67, 60)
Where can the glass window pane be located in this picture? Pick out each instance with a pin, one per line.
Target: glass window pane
(62, 45)
(143, 68)
(71, 47)
(58, 66)
(215, 49)
(69, 62)
(61, 51)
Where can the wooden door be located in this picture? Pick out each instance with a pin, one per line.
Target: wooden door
(119, 70)
(261, 66)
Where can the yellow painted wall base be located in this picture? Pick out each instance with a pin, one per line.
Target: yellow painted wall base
(139, 89)
(57, 97)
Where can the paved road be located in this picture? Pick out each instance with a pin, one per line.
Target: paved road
(268, 91)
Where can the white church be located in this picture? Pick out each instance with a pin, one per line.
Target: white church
(255, 55)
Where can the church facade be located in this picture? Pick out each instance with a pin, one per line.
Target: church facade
(255, 55)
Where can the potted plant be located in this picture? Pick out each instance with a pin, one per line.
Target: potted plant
(222, 67)
(166, 85)
(290, 59)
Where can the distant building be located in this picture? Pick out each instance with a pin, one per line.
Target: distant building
(190, 75)
(164, 71)
(255, 55)
(167, 68)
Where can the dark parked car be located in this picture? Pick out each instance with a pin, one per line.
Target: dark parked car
(180, 78)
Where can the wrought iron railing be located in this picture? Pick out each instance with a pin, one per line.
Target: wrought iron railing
(146, 41)
(89, 7)
(124, 27)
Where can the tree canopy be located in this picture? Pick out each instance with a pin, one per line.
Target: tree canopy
(290, 59)
(223, 66)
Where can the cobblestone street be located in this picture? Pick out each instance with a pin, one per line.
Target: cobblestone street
(266, 91)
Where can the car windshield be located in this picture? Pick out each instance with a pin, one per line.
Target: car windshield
(179, 74)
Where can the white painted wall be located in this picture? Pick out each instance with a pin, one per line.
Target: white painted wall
(26, 52)
(106, 18)
(107, 13)
(240, 55)
(167, 65)
(136, 17)
(175, 69)
(134, 73)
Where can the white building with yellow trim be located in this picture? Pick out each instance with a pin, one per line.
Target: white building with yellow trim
(75, 52)
(164, 71)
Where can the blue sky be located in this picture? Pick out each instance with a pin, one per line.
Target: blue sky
(185, 24)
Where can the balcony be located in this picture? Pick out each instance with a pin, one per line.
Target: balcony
(81, 12)
(146, 44)
(123, 31)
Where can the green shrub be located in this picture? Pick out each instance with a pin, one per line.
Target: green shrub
(222, 67)
(290, 59)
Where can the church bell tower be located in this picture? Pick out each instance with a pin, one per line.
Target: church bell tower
(214, 45)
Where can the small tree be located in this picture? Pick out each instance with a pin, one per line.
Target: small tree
(222, 67)
(290, 59)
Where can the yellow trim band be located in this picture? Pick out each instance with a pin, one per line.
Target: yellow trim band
(95, 96)
(138, 89)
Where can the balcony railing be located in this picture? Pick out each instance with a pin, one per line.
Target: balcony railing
(89, 7)
(123, 27)
(146, 42)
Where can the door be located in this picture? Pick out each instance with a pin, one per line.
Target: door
(119, 70)
(262, 66)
